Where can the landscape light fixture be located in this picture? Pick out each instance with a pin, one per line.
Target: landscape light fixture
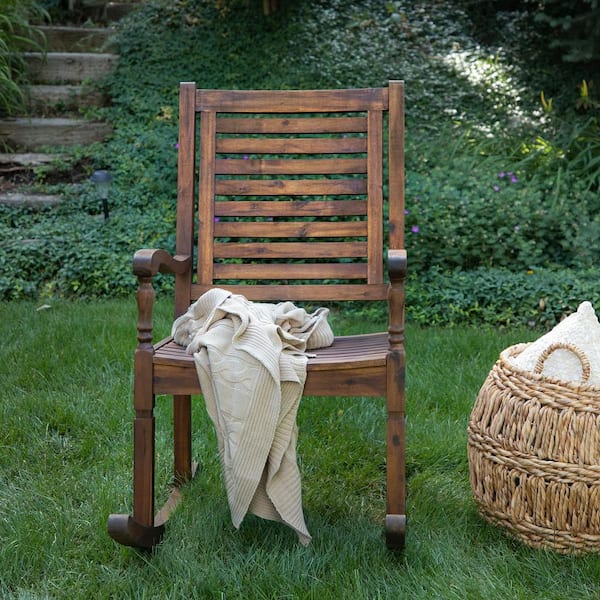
(102, 179)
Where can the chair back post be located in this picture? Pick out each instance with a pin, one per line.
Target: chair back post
(186, 169)
(396, 164)
(396, 360)
(396, 253)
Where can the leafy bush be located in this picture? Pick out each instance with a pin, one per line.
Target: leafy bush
(499, 297)
(579, 145)
(55, 265)
(556, 154)
(570, 28)
(16, 33)
(464, 215)
(574, 27)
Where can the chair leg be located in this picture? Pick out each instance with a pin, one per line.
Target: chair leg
(395, 521)
(182, 438)
(140, 529)
(145, 529)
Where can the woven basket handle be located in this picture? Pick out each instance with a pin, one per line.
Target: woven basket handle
(583, 359)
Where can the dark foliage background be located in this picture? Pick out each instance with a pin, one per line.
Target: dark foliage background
(503, 144)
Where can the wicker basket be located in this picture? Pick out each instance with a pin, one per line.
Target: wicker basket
(534, 454)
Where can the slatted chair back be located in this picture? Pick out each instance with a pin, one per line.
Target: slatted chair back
(290, 199)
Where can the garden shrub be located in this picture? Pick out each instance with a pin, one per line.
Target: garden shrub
(461, 215)
(570, 28)
(16, 34)
(499, 297)
(573, 27)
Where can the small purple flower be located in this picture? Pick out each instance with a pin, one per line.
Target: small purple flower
(217, 219)
(509, 175)
(415, 229)
(406, 211)
(517, 228)
(496, 188)
(176, 145)
(245, 157)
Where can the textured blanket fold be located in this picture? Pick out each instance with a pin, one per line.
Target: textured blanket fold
(251, 363)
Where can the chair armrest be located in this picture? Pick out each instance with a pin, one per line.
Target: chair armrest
(146, 264)
(149, 262)
(396, 299)
(397, 265)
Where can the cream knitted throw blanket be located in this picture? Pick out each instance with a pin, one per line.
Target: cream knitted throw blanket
(251, 362)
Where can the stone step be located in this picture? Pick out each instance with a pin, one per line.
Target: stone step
(61, 38)
(27, 159)
(69, 67)
(106, 12)
(114, 11)
(38, 133)
(64, 97)
(29, 199)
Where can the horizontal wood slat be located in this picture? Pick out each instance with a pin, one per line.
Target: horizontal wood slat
(292, 125)
(346, 380)
(301, 292)
(232, 166)
(345, 349)
(370, 348)
(301, 229)
(291, 250)
(292, 187)
(350, 145)
(290, 271)
(292, 101)
(294, 208)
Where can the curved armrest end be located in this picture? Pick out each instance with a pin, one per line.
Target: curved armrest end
(397, 264)
(149, 262)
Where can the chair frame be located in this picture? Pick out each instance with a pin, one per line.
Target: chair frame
(365, 365)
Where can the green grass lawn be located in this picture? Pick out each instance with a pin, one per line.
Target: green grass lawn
(65, 464)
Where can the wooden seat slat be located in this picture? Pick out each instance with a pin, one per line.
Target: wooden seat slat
(348, 351)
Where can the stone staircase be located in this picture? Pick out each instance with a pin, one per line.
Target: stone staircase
(66, 81)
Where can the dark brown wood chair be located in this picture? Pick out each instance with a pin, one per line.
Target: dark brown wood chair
(289, 205)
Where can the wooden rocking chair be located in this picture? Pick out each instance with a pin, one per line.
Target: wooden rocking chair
(290, 206)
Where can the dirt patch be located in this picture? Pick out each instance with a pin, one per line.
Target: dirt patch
(14, 176)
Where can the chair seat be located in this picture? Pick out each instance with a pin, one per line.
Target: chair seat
(350, 362)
